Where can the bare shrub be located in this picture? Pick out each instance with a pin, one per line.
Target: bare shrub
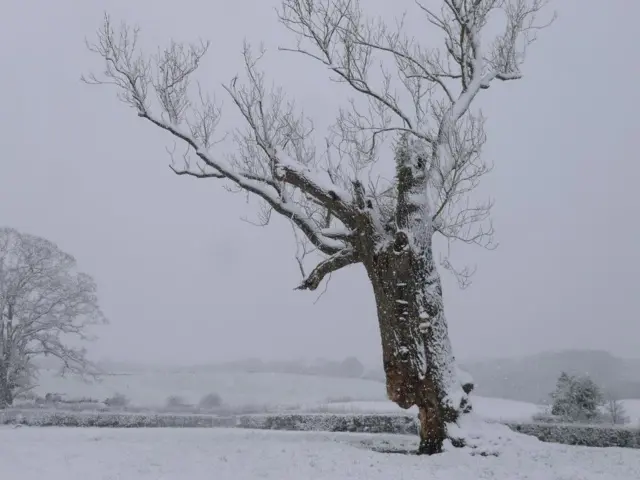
(210, 401)
(117, 400)
(176, 401)
(615, 411)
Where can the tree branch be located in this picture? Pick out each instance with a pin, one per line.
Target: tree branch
(333, 204)
(275, 160)
(195, 174)
(334, 263)
(254, 186)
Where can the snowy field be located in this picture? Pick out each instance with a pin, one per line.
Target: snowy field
(273, 392)
(141, 454)
(269, 391)
(274, 389)
(182, 453)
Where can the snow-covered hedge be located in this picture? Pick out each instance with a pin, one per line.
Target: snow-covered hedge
(52, 418)
(570, 434)
(398, 424)
(371, 423)
(119, 404)
(586, 435)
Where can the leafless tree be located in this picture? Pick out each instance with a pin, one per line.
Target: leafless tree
(417, 96)
(44, 303)
(616, 411)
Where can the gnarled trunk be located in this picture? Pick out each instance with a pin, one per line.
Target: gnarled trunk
(417, 356)
(418, 361)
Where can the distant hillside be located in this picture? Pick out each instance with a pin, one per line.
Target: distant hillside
(533, 378)
(350, 367)
(528, 379)
(237, 389)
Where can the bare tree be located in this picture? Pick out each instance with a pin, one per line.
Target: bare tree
(417, 96)
(44, 303)
(616, 411)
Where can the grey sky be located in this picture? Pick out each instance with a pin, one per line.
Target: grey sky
(182, 278)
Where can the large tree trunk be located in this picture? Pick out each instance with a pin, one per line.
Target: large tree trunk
(418, 361)
(417, 356)
(6, 395)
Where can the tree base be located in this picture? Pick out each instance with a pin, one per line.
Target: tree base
(433, 430)
(435, 447)
(429, 448)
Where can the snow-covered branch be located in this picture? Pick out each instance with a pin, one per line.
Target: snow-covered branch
(336, 33)
(442, 84)
(274, 160)
(260, 186)
(325, 31)
(402, 86)
(331, 264)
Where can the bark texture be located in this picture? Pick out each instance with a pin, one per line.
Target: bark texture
(418, 361)
(6, 393)
(417, 357)
(6, 389)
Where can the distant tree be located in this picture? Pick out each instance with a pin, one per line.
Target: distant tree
(616, 411)
(576, 398)
(44, 303)
(412, 95)
(211, 400)
(562, 395)
(117, 400)
(176, 401)
(351, 367)
(53, 397)
(589, 397)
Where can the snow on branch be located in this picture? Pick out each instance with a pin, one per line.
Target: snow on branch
(440, 85)
(274, 158)
(402, 85)
(326, 267)
(332, 32)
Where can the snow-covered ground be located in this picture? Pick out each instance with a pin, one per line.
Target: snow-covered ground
(145, 454)
(89, 453)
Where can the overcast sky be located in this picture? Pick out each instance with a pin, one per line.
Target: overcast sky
(183, 279)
